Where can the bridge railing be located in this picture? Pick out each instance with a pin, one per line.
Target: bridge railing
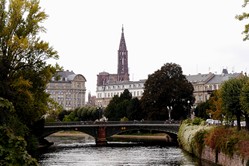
(108, 122)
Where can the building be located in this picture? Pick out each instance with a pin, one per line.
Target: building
(205, 84)
(106, 92)
(109, 85)
(68, 89)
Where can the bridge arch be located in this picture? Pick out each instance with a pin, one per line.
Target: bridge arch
(171, 132)
(49, 131)
(102, 131)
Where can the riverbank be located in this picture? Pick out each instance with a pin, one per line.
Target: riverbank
(215, 144)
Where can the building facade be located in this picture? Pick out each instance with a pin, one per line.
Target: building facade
(68, 89)
(205, 84)
(106, 92)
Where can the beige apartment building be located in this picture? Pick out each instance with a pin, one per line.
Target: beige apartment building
(205, 84)
(68, 89)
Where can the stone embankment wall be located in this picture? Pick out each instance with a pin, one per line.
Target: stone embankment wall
(186, 142)
(222, 159)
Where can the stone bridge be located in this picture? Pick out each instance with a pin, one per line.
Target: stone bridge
(103, 130)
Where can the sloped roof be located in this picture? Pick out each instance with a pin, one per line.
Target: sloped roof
(218, 79)
(200, 78)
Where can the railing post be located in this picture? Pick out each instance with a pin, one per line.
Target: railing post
(101, 136)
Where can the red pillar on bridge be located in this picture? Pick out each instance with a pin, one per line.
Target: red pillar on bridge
(101, 139)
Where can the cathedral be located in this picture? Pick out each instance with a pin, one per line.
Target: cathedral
(105, 78)
(109, 85)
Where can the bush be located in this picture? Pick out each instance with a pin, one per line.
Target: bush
(13, 149)
(197, 121)
(198, 141)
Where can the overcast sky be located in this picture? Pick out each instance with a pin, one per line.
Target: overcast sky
(201, 36)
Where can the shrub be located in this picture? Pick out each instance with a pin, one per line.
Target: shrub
(198, 141)
(197, 121)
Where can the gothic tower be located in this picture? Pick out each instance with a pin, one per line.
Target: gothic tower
(123, 73)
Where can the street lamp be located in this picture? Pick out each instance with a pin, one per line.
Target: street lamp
(188, 108)
(169, 111)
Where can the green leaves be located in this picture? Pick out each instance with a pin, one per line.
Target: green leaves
(13, 149)
(165, 88)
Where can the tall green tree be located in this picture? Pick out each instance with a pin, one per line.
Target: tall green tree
(24, 71)
(230, 94)
(167, 92)
(244, 102)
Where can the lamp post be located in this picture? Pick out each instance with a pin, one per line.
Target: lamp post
(188, 108)
(169, 111)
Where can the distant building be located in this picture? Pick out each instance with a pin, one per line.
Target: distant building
(109, 85)
(68, 89)
(205, 84)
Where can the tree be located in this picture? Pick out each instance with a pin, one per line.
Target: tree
(215, 106)
(13, 149)
(117, 108)
(230, 93)
(134, 110)
(244, 102)
(201, 110)
(24, 71)
(244, 16)
(167, 92)
(23, 63)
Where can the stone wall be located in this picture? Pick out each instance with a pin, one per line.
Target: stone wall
(222, 159)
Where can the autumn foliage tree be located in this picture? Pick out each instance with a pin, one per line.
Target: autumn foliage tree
(24, 71)
(23, 55)
(215, 106)
(167, 89)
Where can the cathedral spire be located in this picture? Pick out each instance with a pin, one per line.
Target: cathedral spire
(123, 73)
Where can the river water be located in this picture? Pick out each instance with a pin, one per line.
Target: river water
(82, 151)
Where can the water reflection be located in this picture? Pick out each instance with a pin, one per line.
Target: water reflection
(77, 152)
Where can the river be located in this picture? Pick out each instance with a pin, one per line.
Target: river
(82, 151)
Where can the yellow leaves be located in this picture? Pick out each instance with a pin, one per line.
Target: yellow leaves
(23, 86)
(215, 105)
(18, 44)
